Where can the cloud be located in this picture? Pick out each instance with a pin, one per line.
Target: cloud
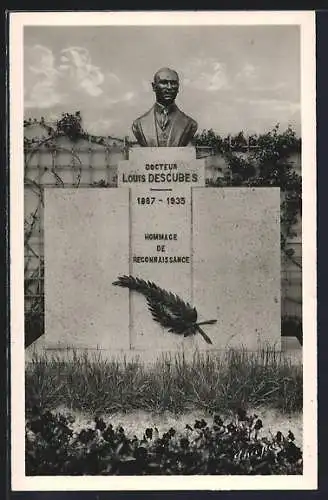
(76, 66)
(103, 126)
(112, 78)
(272, 104)
(40, 78)
(210, 75)
(42, 61)
(261, 80)
(248, 73)
(126, 97)
(272, 87)
(206, 74)
(49, 81)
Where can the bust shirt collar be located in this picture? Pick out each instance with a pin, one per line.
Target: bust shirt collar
(159, 107)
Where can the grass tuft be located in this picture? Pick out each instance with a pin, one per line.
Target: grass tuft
(213, 383)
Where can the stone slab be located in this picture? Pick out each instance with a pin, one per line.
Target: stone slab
(236, 265)
(86, 246)
(160, 180)
(159, 219)
(161, 168)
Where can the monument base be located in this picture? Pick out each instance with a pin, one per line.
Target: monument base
(217, 249)
(289, 350)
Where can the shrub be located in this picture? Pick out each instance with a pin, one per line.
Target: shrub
(291, 326)
(53, 448)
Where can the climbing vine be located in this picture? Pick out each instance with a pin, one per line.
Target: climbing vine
(68, 125)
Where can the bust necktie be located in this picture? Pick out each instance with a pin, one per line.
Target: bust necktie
(164, 118)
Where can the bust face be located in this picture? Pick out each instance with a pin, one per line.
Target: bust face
(166, 86)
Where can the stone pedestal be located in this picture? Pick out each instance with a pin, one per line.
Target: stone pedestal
(218, 249)
(161, 182)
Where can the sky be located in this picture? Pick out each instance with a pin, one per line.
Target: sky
(232, 78)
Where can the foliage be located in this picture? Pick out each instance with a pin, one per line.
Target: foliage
(237, 447)
(238, 142)
(166, 308)
(205, 382)
(68, 125)
(241, 169)
(291, 326)
(71, 126)
(210, 139)
(33, 285)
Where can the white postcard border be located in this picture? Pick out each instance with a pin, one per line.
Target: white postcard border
(306, 20)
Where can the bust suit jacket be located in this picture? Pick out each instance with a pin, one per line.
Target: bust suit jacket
(180, 131)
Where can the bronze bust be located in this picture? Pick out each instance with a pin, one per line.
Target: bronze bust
(164, 125)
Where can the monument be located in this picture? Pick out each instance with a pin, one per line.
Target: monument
(162, 263)
(164, 125)
(215, 249)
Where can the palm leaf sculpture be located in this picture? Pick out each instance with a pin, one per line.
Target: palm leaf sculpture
(166, 308)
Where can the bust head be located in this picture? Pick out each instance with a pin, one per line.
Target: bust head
(181, 128)
(166, 86)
